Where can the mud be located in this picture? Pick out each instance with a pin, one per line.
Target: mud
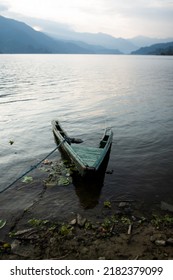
(38, 224)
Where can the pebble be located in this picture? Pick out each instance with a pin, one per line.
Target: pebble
(170, 241)
(80, 221)
(160, 242)
(52, 241)
(152, 238)
(47, 162)
(21, 232)
(109, 172)
(166, 206)
(15, 245)
(73, 222)
(122, 204)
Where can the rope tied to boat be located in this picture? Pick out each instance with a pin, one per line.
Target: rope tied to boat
(32, 168)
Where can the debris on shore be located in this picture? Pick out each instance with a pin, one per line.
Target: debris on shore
(118, 230)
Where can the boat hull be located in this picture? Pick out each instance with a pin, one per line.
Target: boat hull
(88, 160)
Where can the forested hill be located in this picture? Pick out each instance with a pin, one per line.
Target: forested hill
(156, 49)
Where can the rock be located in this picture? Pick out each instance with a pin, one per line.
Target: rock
(14, 245)
(158, 236)
(169, 241)
(53, 241)
(47, 162)
(22, 232)
(123, 204)
(152, 238)
(166, 206)
(109, 172)
(73, 222)
(22, 250)
(160, 242)
(80, 221)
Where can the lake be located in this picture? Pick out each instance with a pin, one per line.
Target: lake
(87, 93)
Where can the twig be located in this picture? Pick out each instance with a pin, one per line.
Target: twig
(129, 229)
(61, 258)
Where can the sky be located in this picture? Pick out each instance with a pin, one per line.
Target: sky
(119, 18)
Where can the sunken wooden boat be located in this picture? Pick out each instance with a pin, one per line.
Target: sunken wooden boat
(88, 160)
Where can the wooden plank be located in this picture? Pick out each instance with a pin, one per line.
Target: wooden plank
(88, 155)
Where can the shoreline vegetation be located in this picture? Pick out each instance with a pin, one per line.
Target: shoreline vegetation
(117, 230)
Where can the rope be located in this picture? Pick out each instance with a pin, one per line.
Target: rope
(32, 168)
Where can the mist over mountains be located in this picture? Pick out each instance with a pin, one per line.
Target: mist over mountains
(101, 39)
(18, 37)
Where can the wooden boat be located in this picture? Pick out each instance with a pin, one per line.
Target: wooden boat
(87, 160)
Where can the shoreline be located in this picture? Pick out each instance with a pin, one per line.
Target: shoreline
(36, 226)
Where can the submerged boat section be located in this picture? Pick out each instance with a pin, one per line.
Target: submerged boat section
(88, 160)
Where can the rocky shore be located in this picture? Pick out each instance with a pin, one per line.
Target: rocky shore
(33, 225)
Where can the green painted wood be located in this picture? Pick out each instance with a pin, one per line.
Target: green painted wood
(86, 159)
(88, 155)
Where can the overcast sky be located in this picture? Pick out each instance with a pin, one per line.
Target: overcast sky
(120, 18)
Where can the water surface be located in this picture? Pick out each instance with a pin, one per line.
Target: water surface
(86, 93)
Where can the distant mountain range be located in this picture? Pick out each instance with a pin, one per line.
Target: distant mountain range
(95, 39)
(156, 49)
(18, 37)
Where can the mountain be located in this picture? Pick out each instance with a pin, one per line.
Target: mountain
(66, 33)
(142, 41)
(101, 39)
(97, 49)
(156, 49)
(18, 37)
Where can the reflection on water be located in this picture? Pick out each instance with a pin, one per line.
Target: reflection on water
(88, 189)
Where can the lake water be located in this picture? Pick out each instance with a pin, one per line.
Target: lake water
(86, 93)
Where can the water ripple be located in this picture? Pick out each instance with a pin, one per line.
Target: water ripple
(131, 94)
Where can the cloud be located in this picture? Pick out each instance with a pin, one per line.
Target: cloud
(3, 7)
(140, 8)
(47, 26)
(123, 18)
(147, 17)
